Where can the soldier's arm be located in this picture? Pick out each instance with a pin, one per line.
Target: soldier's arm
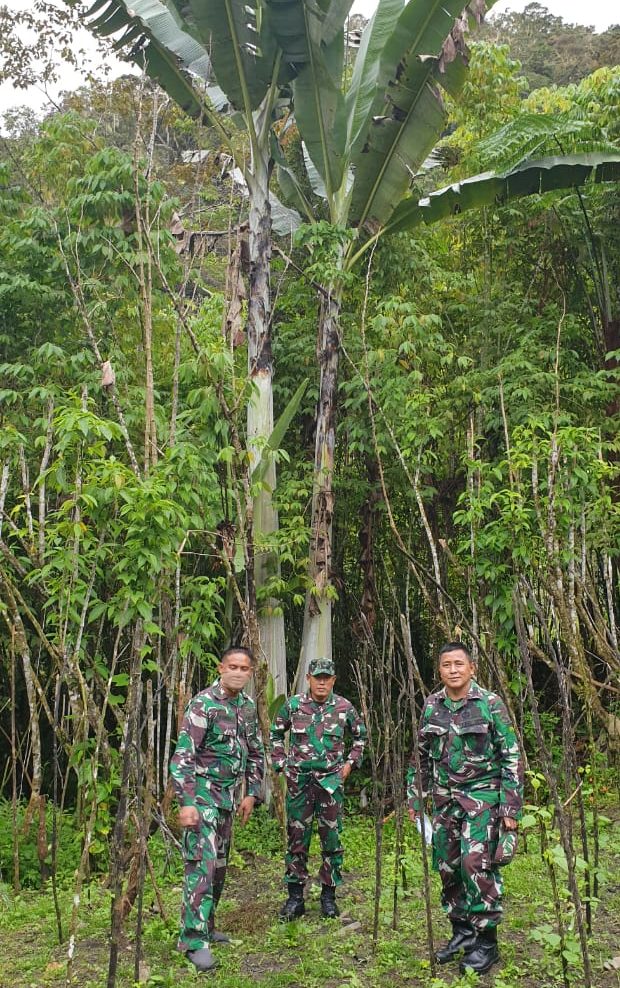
(194, 727)
(255, 767)
(279, 728)
(511, 785)
(413, 789)
(358, 731)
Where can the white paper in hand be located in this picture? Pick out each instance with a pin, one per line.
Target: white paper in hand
(428, 828)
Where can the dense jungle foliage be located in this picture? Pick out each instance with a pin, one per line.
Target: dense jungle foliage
(154, 507)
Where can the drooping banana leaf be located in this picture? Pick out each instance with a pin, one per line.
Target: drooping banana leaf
(153, 37)
(284, 220)
(488, 189)
(288, 181)
(396, 121)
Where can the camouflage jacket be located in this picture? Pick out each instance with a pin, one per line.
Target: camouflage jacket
(317, 744)
(468, 753)
(218, 747)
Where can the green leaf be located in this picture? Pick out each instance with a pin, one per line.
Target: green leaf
(489, 189)
(397, 123)
(243, 48)
(155, 39)
(279, 431)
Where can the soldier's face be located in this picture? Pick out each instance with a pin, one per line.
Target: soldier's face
(456, 671)
(235, 672)
(320, 687)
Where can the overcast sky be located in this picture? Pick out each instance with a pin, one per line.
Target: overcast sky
(600, 13)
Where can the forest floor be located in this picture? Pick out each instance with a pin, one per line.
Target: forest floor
(311, 952)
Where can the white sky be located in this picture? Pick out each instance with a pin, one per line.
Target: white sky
(599, 13)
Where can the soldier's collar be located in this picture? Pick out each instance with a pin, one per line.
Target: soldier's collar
(220, 693)
(474, 692)
(326, 703)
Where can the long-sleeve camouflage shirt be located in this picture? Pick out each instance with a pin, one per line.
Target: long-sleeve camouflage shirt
(218, 747)
(317, 744)
(468, 753)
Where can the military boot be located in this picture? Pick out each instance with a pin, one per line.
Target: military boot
(329, 909)
(294, 907)
(484, 954)
(214, 935)
(463, 938)
(202, 959)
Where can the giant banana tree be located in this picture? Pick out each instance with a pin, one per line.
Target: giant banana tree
(363, 144)
(186, 48)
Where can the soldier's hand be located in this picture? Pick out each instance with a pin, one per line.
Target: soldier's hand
(345, 771)
(245, 809)
(189, 816)
(509, 823)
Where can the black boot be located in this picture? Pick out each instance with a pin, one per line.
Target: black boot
(202, 959)
(329, 909)
(484, 954)
(294, 906)
(214, 935)
(463, 938)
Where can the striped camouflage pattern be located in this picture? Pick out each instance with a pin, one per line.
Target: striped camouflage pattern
(219, 748)
(305, 803)
(469, 753)
(313, 768)
(471, 768)
(205, 856)
(317, 737)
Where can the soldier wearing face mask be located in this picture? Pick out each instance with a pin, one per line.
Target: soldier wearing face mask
(219, 748)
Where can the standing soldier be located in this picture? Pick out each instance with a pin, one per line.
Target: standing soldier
(471, 767)
(218, 749)
(316, 770)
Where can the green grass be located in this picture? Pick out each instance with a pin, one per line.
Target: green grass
(308, 953)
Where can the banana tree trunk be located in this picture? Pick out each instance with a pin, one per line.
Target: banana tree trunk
(260, 413)
(317, 631)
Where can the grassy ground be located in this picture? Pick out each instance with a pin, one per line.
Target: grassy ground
(309, 952)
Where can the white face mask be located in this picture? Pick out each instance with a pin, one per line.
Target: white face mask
(235, 672)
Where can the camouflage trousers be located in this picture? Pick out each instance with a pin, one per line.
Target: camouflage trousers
(304, 802)
(463, 848)
(205, 854)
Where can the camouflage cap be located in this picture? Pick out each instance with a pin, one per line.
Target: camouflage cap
(322, 667)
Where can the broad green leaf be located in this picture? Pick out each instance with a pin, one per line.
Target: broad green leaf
(489, 189)
(279, 431)
(154, 38)
(404, 112)
(366, 69)
(311, 36)
(242, 46)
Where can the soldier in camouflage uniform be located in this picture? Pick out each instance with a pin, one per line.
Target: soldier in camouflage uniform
(315, 769)
(218, 749)
(471, 767)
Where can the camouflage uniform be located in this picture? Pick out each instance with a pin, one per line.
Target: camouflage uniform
(218, 748)
(470, 759)
(313, 777)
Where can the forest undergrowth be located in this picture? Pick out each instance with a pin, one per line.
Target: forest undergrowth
(309, 952)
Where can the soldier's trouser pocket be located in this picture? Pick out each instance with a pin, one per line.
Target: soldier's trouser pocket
(192, 844)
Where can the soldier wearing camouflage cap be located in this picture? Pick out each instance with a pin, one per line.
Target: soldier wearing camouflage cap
(219, 748)
(315, 769)
(471, 767)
